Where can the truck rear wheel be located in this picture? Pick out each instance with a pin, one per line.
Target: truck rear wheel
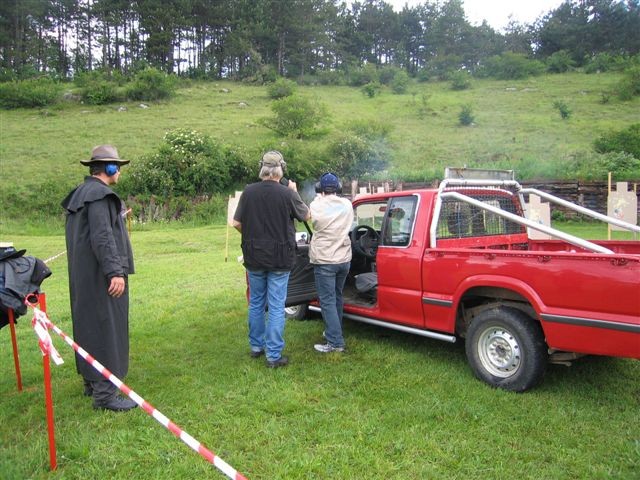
(506, 348)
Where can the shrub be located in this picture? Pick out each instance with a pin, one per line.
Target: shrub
(596, 166)
(466, 117)
(33, 92)
(423, 75)
(99, 87)
(423, 108)
(331, 77)
(100, 92)
(306, 79)
(387, 73)
(296, 116)
(82, 79)
(604, 62)
(151, 84)
(400, 82)
(187, 163)
(281, 88)
(560, 62)
(627, 141)
(460, 80)
(363, 75)
(562, 108)
(207, 210)
(629, 86)
(511, 66)
(443, 66)
(605, 97)
(7, 75)
(371, 89)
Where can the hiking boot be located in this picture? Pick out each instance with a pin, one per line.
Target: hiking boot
(327, 348)
(281, 362)
(115, 404)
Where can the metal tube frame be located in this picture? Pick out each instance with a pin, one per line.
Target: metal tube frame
(524, 221)
(583, 210)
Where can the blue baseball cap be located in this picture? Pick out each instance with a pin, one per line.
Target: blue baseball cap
(329, 183)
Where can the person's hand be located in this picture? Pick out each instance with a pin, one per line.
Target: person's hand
(292, 185)
(116, 287)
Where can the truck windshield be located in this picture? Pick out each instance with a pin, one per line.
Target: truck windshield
(370, 214)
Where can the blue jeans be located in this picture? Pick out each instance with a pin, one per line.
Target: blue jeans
(330, 280)
(266, 329)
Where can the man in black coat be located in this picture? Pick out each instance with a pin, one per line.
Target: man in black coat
(100, 262)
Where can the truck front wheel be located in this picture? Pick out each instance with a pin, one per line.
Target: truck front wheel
(506, 349)
(296, 312)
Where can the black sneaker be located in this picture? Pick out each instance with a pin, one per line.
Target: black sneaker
(281, 362)
(256, 353)
(115, 404)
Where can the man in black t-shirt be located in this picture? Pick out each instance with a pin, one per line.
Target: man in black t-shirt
(265, 214)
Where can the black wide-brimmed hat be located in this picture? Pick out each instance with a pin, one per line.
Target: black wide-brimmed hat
(104, 153)
(8, 251)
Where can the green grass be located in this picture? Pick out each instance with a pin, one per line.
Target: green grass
(395, 406)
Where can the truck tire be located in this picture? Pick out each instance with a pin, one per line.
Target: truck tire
(506, 349)
(296, 312)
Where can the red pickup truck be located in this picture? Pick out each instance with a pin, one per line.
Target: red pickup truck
(457, 262)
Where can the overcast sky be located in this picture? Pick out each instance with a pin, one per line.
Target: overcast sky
(496, 12)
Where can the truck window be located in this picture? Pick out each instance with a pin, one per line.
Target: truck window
(459, 219)
(399, 221)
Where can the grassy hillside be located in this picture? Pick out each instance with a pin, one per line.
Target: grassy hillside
(516, 126)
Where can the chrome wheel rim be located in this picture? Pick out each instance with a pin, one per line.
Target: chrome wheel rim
(292, 311)
(499, 352)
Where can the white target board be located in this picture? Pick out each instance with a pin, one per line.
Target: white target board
(540, 213)
(622, 205)
(232, 206)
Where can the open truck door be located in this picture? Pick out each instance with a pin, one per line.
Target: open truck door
(302, 286)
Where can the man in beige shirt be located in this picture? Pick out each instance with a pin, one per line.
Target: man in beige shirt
(330, 254)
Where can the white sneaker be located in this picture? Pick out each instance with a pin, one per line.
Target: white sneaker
(327, 348)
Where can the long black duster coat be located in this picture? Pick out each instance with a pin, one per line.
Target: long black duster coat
(98, 249)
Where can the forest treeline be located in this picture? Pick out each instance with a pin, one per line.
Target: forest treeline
(254, 39)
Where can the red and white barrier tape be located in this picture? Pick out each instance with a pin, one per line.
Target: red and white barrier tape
(51, 259)
(41, 322)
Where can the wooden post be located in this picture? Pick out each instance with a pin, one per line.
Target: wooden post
(226, 247)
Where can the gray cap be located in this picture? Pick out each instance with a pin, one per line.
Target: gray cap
(273, 158)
